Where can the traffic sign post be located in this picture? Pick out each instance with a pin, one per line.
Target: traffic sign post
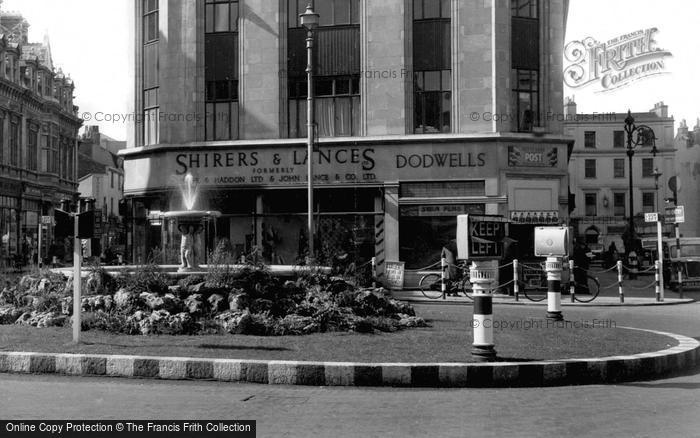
(480, 239)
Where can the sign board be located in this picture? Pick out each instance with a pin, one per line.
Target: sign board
(532, 156)
(675, 215)
(393, 272)
(651, 217)
(47, 220)
(551, 241)
(535, 217)
(480, 237)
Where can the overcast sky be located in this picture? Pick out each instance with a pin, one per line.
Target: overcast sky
(89, 41)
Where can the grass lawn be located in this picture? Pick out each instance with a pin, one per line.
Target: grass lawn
(525, 337)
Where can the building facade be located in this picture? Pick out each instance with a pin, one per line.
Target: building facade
(425, 109)
(38, 134)
(101, 178)
(599, 173)
(688, 170)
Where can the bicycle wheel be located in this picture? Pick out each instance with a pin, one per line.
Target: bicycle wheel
(431, 286)
(590, 290)
(533, 294)
(466, 288)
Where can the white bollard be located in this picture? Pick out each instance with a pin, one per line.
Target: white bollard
(516, 280)
(482, 323)
(443, 271)
(658, 282)
(553, 268)
(572, 281)
(619, 281)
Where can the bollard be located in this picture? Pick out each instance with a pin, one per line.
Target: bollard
(553, 268)
(633, 262)
(482, 322)
(658, 283)
(572, 281)
(374, 272)
(516, 286)
(619, 281)
(443, 283)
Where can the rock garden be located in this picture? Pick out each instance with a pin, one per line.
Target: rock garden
(249, 301)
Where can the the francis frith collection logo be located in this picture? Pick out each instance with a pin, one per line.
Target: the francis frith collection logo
(615, 63)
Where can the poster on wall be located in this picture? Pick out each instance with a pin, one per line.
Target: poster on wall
(394, 275)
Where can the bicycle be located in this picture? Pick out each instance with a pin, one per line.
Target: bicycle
(431, 285)
(591, 289)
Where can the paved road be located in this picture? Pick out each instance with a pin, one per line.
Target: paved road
(667, 407)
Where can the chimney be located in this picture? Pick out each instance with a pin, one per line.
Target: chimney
(660, 110)
(682, 129)
(570, 108)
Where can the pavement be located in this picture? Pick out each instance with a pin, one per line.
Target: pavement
(665, 407)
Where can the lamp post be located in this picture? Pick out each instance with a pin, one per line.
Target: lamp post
(309, 20)
(637, 136)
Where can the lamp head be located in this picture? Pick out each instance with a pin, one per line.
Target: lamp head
(309, 19)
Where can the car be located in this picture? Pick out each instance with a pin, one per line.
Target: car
(688, 263)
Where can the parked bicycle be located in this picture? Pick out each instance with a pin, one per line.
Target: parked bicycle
(535, 289)
(431, 284)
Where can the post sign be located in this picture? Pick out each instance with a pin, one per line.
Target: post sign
(47, 220)
(675, 215)
(651, 217)
(480, 237)
(393, 272)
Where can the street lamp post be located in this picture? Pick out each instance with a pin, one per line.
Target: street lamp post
(310, 20)
(641, 135)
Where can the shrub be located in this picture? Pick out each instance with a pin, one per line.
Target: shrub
(147, 278)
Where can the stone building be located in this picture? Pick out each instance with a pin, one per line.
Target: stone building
(687, 144)
(425, 109)
(38, 135)
(599, 173)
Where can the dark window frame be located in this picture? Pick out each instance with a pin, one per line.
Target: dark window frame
(589, 139)
(297, 7)
(618, 139)
(647, 167)
(526, 122)
(618, 169)
(591, 208)
(619, 208)
(525, 9)
(648, 207)
(422, 96)
(590, 172)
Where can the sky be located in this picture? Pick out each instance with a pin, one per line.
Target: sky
(89, 41)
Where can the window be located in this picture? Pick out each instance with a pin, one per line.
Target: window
(221, 67)
(619, 168)
(591, 204)
(524, 8)
(433, 101)
(2, 139)
(331, 12)
(619, 139)
(32, 140)
(648, 202)
(427, 9)
(619, 201)
(589, 139)
(337, 106)
(432, 63)
(526, 97)
(14, 144)
(151, 113)
(150, 20)
(337, 70)
(111, 180)
(590, 168)
(647, 167)
(45, 149)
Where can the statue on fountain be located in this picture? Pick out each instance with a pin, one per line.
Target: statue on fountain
(187, 248)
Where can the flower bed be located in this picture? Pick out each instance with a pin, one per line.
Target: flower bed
(250, 301)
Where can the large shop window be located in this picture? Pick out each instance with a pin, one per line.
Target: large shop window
(432, 78)
(221, 70)
(426, 224)
(336, 69)
(8, 229)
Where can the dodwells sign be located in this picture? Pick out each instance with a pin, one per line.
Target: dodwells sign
(615, 63)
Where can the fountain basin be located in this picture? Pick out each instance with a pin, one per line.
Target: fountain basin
(194, 215)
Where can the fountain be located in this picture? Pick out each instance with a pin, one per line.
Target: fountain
(190, 223)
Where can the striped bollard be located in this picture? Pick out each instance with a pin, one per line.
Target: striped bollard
(572, 282)
(658, 282)
(619, 281)
(553, 268)
(482, 322)
(443, 271)
(374, 272)
(516, 280)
